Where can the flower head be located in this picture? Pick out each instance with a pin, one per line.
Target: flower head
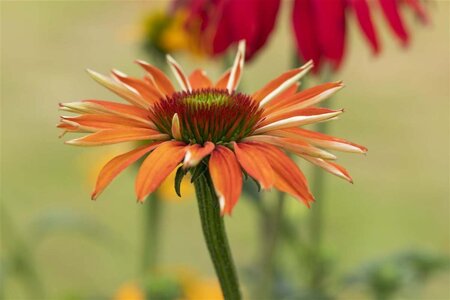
(212, 126)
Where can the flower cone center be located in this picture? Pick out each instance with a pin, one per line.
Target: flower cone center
(208, 115)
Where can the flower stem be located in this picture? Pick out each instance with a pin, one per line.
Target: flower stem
(151, 233)
(216, 238)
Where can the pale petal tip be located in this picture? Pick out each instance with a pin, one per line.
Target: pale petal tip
(176, 131)
(170, 59)
(92, 72)
(119, 73)
(141, 62)
(222, 204)
(241, 47)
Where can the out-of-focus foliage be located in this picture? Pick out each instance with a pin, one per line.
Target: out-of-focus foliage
(404, 273)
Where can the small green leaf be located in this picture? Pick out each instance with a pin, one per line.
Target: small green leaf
(178, 178)
(197, 172)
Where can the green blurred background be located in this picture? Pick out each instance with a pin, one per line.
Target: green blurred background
(396, 104)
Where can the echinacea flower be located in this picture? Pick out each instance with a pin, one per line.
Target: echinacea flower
(213, 126)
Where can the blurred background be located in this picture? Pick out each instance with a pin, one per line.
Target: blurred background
(58, 244)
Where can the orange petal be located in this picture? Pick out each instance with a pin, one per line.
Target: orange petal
(254, 163)
(115, 166)
(223, 80)
(179, 74)
(330, 167)
(160, 80)
(319, 139)
(199, 80)
(113, 136)
(157, 166)
(96, 122)
(289, 92)
(310, 111)
(196, 153)
(288, 177)
(95, 106)
(281, 83)
(304, 98)
(226, 176)
(293, 145)
(118, 88)
(148, 92)
(304, 118)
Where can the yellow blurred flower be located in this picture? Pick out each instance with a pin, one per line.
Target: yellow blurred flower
(166, 33)
(203, 289)
(129, 291)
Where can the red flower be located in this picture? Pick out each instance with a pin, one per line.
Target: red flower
(222, 23)
(320, 26)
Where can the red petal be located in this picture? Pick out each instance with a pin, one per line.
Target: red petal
(419, 9)
(364, 17)
(330, 16)
(392, 14)
(306, 38)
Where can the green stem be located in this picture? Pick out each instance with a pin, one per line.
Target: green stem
(216, 238)
(151, 233)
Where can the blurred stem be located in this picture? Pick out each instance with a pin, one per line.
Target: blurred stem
(316, 219)
(316, 223)
(20, 259)
(151, 232)
(271, 228)
(216, 238)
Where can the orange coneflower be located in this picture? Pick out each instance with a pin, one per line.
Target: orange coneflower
(213, 125)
